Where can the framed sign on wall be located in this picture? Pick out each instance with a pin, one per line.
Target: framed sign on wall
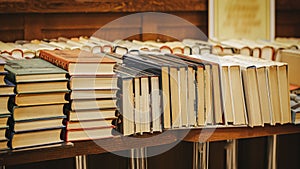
(250, 19)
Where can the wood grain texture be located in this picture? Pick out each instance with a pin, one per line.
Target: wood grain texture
(126, 143)
(66, 6)
(219, 134)
(85, 148)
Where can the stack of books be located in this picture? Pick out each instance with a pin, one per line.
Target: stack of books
(38, 105)
(6, 91)
(93, 86)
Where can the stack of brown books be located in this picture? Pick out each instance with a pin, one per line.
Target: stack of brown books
(93, 86)
(38, 105)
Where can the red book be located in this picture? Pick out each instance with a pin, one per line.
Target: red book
(78, 62)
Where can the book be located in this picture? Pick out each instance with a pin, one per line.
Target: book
(7, 89)
(88, 124)
(4, 120)
(25, 113)
(89, 115)
(4, 105)
(36, 125)
(2, 77)
(93, 104)
(40, 98)
(33, 70)
(35, 139)
(292, 58)
(2, 64)
(78, 62)
(89, 134)
(95, 83)
(94, 93)
(3, 145)
(128, 101)
(40, 87)
(3, 134)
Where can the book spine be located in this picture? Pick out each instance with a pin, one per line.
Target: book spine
(54, 60)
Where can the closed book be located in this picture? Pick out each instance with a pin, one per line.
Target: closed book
(35, 139)
(87, 115)
(3, 145)
(7, 88)
(4, 134)
(88, 124)
(4, 105)
(2, 64)
(4, 121)
(93, 82)
(90, 134)
(25, 113)
(33, 70)
(89, 94)
(78, 62)
(292, 58)
(40, 98)
(2, 77)
(127, 101)
(37, 125)
(39, 87)
(93, 104)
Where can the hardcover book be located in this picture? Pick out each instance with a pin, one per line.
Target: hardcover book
(78, 62)
(33, 70)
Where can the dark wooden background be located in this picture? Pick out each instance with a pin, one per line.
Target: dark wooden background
(30, 19)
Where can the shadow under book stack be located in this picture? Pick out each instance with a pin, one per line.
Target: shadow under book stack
(6, 91)
(93, 86)
(38, 105)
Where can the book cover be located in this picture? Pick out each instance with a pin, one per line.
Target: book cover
(78, 62)
(33, 70)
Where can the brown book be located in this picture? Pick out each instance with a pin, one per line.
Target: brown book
(78, 62)
(89, 134)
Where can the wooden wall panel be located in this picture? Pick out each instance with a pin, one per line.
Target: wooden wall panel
(11, 27)
(288, 150)
(252, 153)
(107, 160)
(68, 163)
(70, 6)
(288, 23)
(179, 157)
